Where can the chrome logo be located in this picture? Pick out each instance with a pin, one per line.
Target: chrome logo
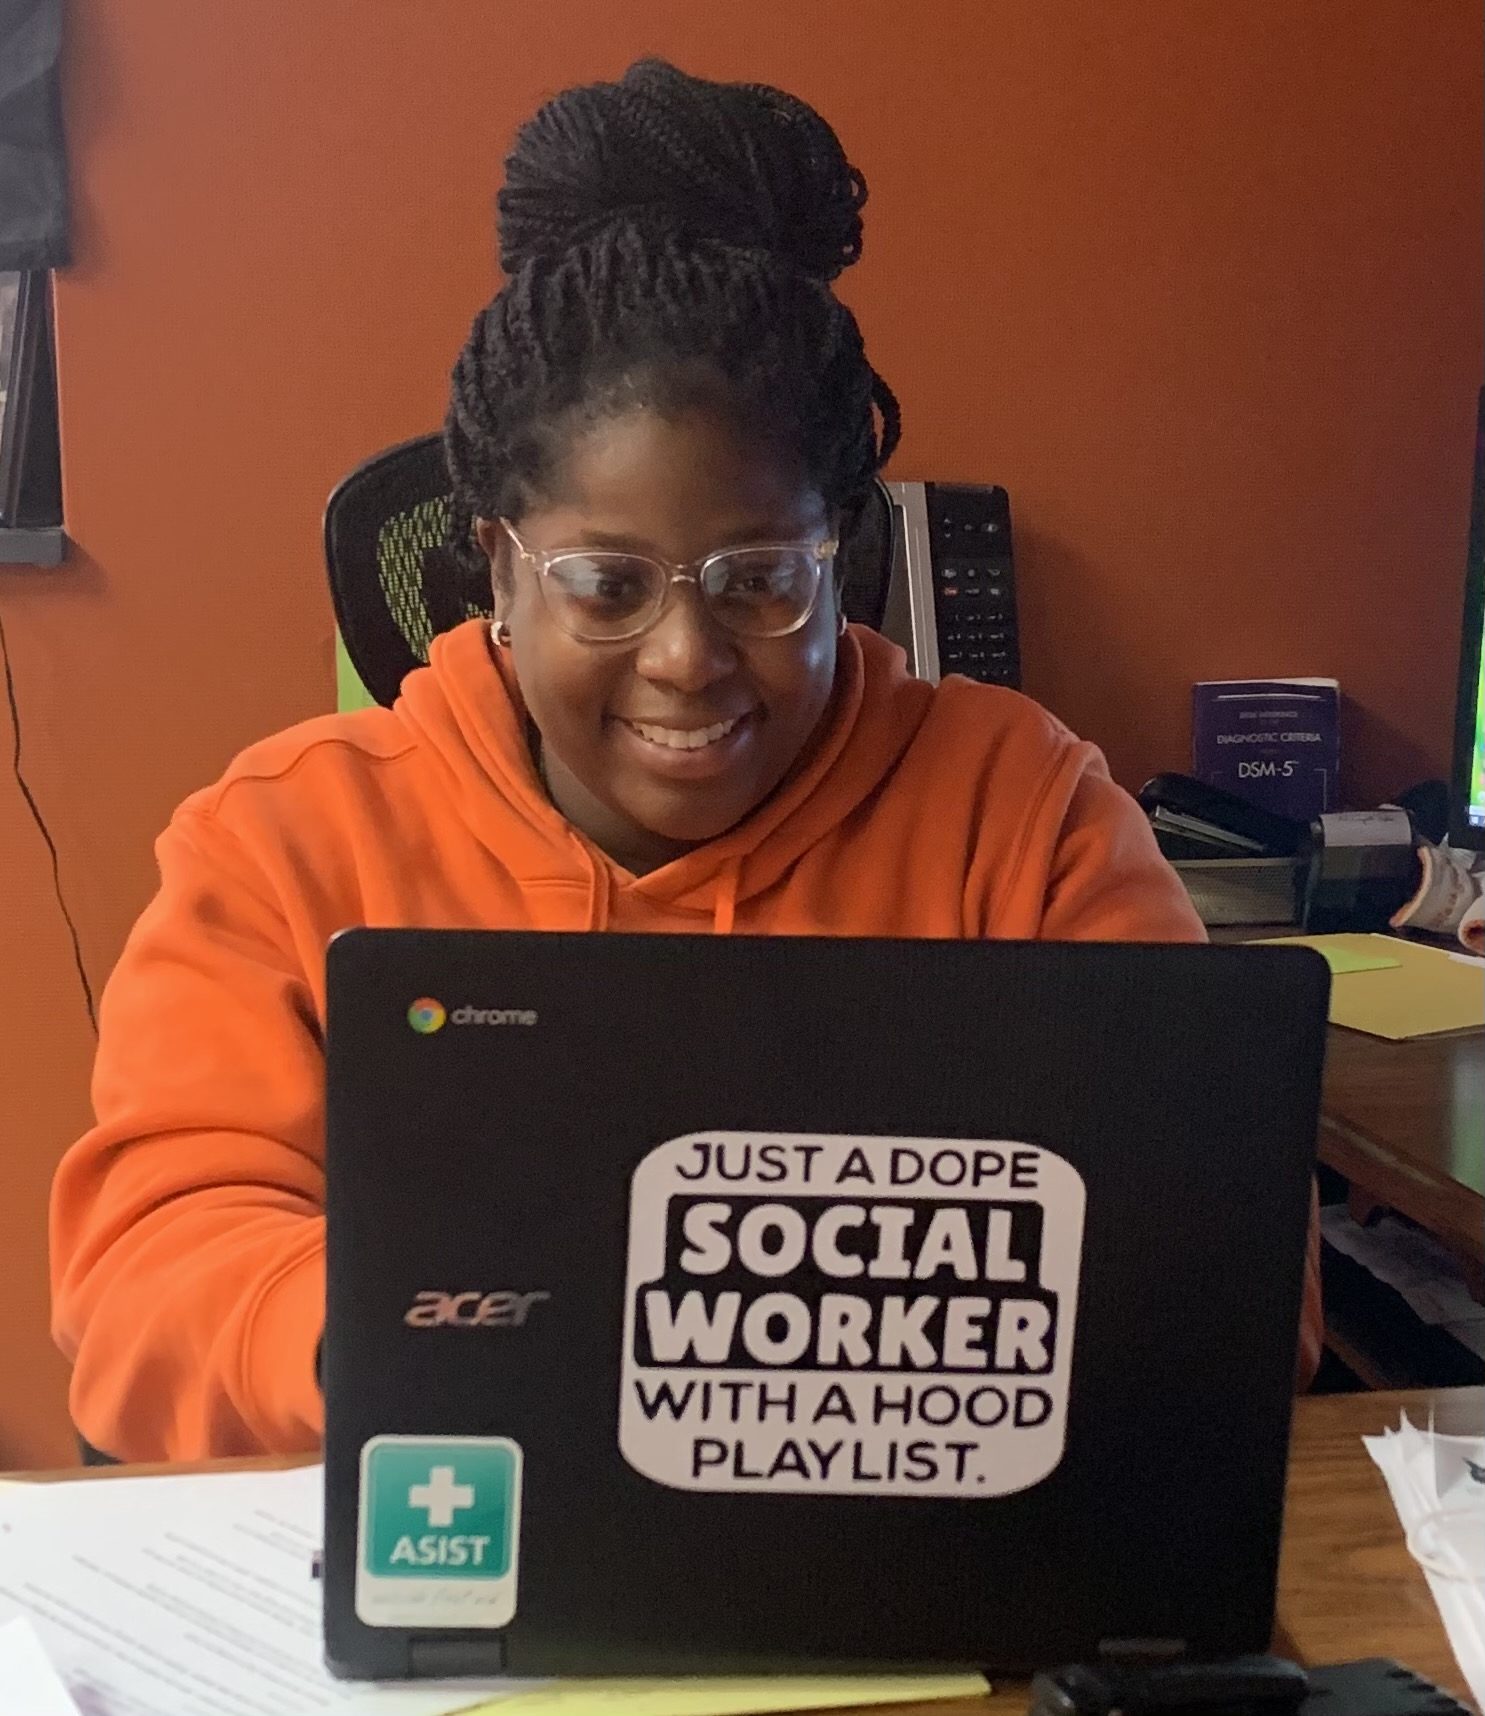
(427, 1016)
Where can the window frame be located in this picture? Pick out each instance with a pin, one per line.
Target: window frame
(30, 449)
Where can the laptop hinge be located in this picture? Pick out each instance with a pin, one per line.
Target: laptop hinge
(456, 1659)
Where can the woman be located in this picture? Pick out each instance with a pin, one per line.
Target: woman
(657, 429)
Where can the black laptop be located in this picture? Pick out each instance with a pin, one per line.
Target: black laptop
(714, 1304)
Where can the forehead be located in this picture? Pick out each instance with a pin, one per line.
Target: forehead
(683, 483)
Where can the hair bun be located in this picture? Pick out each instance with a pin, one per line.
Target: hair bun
(682, 158)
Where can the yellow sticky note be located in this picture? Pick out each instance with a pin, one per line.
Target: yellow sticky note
(1345, 954)
(728, 1696)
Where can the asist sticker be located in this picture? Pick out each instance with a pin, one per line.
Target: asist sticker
(822, 1315)
(439, 1531)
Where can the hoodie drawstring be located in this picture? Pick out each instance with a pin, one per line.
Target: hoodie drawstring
(600, 891)
(729, 884)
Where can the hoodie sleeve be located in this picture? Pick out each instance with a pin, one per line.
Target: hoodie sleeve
(1108, 881)
(187, 1233)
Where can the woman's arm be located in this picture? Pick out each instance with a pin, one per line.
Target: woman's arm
(187, 1233)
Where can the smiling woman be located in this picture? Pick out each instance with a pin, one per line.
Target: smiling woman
(658, 428)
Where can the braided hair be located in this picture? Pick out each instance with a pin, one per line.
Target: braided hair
(668, 242)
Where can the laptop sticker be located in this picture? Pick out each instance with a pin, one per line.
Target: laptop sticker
(817, 1315)
(438, 1532)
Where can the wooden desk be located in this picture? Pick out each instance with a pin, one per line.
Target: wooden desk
(1405, 1124)
(1347, 1585)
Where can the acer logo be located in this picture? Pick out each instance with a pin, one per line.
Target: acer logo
(503, 1310)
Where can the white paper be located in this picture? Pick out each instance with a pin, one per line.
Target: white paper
(188, 1596)
(28, 1682)
(120, 1500)
(1415, 1265)
(1429, 1476)
(1367, 828)
(1317, 684)
(192, 1596)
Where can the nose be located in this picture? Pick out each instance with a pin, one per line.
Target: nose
(686, 649)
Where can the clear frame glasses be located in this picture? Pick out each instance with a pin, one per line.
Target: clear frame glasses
(767, 590)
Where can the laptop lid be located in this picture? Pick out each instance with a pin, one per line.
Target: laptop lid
(735, 1304)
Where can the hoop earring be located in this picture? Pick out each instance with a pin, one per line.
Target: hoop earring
(841, 624)
(500, 633)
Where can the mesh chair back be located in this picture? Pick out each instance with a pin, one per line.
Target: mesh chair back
(396, 587)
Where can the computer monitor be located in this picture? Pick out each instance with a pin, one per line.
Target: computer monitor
(1467, 789)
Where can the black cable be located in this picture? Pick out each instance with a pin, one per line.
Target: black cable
(46, 833)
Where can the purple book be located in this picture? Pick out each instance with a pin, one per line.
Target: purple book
(1274, 742)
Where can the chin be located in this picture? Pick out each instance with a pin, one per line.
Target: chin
(692, 831)
(693, 824)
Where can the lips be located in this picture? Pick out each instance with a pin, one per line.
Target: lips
(684, 738)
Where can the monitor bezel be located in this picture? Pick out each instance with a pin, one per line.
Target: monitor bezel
(1461, 834)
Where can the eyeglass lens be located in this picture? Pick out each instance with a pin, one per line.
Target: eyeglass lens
(757, 592)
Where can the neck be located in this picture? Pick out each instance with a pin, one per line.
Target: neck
(634, 849)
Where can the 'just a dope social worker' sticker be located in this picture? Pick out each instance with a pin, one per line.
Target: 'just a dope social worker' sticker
(849, 1316)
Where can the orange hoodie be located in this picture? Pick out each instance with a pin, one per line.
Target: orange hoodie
(187, 1226)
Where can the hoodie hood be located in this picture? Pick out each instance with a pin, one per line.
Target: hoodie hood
(465, 707)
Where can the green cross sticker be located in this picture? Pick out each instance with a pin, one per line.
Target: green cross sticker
(439, 1528)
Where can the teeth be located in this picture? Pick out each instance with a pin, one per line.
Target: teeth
(693, 740)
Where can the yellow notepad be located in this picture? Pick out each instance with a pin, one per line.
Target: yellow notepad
(705, 1696)
(1399, 989)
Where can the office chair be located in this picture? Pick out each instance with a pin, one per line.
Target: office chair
(396, 587)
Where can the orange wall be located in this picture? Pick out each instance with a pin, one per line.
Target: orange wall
(1200, 284)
